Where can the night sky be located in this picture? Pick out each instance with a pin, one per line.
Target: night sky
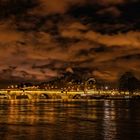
(43, 39)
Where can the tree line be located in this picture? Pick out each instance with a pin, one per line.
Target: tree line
(128, 82)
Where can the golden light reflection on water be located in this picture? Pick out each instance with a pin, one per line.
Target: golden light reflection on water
(109, 121)
(64, 119)
(24, 111)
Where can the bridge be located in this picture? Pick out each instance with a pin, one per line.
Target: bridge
(39, 94)
(57, 94)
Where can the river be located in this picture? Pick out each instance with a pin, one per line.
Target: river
(69, 120)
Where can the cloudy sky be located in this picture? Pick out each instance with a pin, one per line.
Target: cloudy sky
(42, 39)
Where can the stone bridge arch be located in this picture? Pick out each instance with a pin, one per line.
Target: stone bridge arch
(44, 96)
(77, 96)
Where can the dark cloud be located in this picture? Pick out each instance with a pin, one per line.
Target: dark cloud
(41, 39)
(15, 7)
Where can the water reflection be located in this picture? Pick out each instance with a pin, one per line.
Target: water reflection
(109, 123)
(69, 120)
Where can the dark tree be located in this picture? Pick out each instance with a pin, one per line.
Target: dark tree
(128, 82)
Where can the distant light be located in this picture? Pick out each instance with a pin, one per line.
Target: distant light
(106, 87)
